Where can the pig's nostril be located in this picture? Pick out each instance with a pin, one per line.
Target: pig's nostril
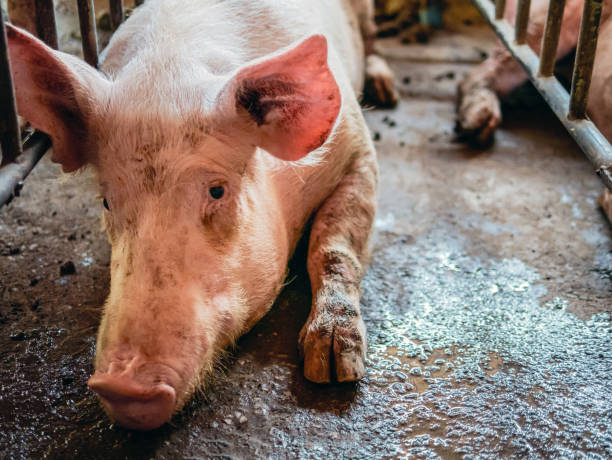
(132, 404)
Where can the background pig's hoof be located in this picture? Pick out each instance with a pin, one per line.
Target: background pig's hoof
(379, 89)
(479, 115)
(333, 349)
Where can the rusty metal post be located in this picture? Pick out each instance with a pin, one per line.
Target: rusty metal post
(35, 16)
(500, 8)
(550, 42)
(522, 19)
(89, 36)
(22, 13)
(45, 22)
(117, 15)
(10, 138)
(585, 57)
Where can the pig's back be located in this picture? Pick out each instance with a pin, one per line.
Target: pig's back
(219, 36)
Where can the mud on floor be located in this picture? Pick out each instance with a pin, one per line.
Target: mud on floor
(487, 305)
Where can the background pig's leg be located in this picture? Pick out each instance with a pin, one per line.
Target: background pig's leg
(478, 107)
(379, 88)
(333, 340)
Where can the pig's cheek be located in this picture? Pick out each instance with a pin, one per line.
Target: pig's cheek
(220, 222)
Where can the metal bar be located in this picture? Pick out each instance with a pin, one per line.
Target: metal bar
(45, 22)
(88, 31)
(13, 174)
(22, 13)
(550, 42)
(116, 13)
(585, 57)
(594, 145)
(500, 8)
(10, 141)
(522, 20)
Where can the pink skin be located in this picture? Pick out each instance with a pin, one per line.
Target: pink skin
(478, 110)
(172, 121)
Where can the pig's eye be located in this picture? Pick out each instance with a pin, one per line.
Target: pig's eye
(105, 203)
(216, 192)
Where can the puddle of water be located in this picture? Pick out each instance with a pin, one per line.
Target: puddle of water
(524, 380)
(385, 223)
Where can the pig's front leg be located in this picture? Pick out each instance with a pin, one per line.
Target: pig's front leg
(333, 340)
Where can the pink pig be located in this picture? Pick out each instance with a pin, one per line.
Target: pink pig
(478, 111)
(217, 129)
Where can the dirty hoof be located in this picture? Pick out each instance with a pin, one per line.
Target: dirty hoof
(605, 202)
(333, 349)
(379, 89)
(478, 116)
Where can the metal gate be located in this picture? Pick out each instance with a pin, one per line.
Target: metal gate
(570, 107)
(22, 150)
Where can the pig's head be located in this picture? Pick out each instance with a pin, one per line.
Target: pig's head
(199, 244)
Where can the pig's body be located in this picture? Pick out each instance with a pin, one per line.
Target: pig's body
(199, 132)
(479, 112)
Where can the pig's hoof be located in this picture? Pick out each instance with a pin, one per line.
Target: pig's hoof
(333, 348)
(479, 115)
(379, 89)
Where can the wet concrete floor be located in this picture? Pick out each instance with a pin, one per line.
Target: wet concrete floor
(487, 305)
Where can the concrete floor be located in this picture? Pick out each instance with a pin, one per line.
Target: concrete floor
(487, 305)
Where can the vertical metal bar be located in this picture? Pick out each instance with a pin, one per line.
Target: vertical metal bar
(585, 57)
(550, 42)
(88, 31)
(10, 139)
(522, 19)
(22, 13)
(116, 13)
(500, 8)
(45, 22)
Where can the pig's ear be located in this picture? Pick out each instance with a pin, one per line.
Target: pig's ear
(54, 93)
(289, 102)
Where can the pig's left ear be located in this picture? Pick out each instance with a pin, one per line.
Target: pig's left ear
(289, 102)
(55, 93)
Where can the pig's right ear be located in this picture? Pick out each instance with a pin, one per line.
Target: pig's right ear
(286, 103)
(55, 93)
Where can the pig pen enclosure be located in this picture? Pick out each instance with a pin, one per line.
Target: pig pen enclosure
(487, 301)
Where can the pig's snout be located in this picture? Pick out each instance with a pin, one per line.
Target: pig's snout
(132, 403)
